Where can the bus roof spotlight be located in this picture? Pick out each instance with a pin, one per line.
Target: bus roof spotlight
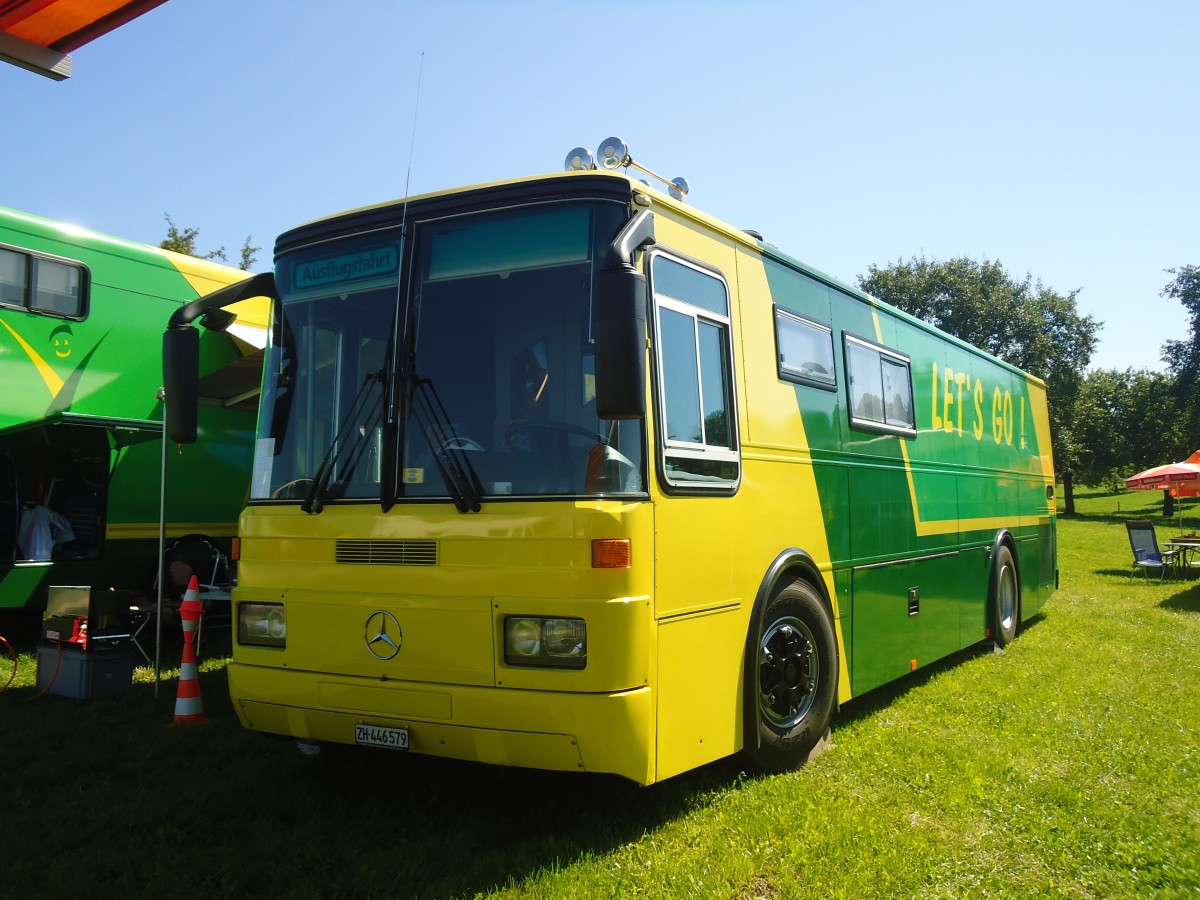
(612, 153)
(579, 159)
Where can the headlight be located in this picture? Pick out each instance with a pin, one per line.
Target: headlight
(263, 624)
(564, 638)
(543, 641)
(523, 637)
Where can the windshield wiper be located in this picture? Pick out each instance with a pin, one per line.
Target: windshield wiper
(316, 493)
(453, 463)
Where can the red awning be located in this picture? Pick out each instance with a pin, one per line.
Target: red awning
(39, 34)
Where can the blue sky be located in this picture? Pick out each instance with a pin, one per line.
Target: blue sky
(1058, 137)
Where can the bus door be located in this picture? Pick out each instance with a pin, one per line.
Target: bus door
(698, 470)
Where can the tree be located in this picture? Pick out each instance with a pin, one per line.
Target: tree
(1183, 357)
(1125, 422)
(249, 254)
(1024, 323)
(184, 241)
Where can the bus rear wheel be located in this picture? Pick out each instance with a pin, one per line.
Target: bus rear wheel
(1004, 598)
(791, 681)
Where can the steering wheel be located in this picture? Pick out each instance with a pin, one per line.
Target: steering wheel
(512, 429)
(289, 490)
(459, 443)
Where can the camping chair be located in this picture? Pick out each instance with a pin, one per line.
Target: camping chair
(1146, 554)
(196, 554)
(204, 559)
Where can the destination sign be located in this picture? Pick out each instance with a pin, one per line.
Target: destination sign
(365, 264)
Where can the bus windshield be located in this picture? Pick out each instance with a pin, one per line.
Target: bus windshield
(481, 345)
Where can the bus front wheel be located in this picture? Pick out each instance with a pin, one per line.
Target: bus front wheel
(792, 671)
(1004, 598)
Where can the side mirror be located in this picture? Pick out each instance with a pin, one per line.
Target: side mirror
(620, 324)
(620, 330)
(181, 348)
(181, 365)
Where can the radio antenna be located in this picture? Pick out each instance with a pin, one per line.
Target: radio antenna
(413, 142)
(394, 365)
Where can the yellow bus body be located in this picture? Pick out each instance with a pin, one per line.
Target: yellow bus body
(669, 638)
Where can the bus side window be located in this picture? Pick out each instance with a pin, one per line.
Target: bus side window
(879, 387)
(804, 350)
(695, 371)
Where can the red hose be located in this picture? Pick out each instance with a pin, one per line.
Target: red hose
(13, 654)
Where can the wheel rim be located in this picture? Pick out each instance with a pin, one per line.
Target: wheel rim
(788, 670)
(1006, 597)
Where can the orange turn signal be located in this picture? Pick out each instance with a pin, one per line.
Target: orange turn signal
(235, 549)
(610, 553)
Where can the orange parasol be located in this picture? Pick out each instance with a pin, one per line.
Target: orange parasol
(1182, 479)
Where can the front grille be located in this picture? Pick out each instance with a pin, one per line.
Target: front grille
(386, 553)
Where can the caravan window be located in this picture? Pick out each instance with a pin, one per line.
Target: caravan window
(44, 284)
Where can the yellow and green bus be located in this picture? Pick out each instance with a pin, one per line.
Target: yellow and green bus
(80, 419)
(560, 472)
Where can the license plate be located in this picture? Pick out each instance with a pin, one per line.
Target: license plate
(377, 736)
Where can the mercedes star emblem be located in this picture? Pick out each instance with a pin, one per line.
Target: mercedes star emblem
(382, 635)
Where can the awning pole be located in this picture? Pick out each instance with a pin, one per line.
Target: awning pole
(162, 546)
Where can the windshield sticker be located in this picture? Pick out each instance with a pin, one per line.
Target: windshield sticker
(264, 461)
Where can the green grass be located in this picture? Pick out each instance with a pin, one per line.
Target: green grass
(1067, 766)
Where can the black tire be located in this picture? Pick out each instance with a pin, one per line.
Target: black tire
(1004, 598)
(791, 679)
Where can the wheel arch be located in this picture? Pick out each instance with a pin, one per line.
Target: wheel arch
(789, 565)
(1004, 539)
(1004, 536)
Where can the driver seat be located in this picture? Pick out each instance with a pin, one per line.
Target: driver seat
(609, 471)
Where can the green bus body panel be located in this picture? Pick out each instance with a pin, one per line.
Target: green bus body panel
(919, 514)
(110, 363)
(82, 394)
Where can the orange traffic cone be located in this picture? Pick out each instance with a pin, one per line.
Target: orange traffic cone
(189, 706)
